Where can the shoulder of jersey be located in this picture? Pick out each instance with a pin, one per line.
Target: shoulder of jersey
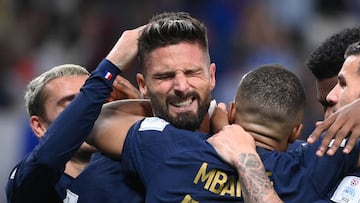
(153, 123)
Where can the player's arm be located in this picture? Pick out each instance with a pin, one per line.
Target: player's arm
(110, 129)
(35, 177)
(237, 148)
(64, 136)
(256, 185)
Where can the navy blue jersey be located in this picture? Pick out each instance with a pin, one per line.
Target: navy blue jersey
(347, 190)
(300, 176)
(178, 165)
(103, 181)
(36, 178)
(170, 163)
(295, 145)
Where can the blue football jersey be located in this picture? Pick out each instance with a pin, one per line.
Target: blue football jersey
(301, 176)
(180, 166)
(347, 189)
(104, 181)
(177, 165)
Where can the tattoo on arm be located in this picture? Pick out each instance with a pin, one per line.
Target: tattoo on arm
(255, 185)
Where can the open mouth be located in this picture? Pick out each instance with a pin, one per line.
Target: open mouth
(184, 105)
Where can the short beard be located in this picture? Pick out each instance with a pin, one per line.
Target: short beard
(186, 120)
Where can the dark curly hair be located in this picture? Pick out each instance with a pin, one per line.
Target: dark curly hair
(353, 49)
(326, 60)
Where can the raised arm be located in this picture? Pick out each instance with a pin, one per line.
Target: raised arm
(237, 148)
(109, 131)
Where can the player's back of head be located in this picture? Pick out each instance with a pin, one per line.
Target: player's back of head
(272, 97)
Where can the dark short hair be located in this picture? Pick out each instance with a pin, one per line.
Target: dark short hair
(171, 28)
(327, 59)
(272, 93)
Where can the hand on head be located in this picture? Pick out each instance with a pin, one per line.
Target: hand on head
(219, 118)
(231, 142)
(343, 123)
(126, 48)
(123, 89)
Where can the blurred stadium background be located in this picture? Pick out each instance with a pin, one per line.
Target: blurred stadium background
(36, 35)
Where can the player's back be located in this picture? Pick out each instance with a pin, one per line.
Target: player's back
(104, 181)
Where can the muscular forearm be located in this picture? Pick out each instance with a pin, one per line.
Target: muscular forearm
(255, 185)
(237, 148)
(109, 131)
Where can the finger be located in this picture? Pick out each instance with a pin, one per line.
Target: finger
(355, 133)
(350, 144)
(320, 152)
(346, 131)
(338, 132)
(319, 129)
(117, 82)
(132, 93)
(333, 147)
(210, 139)
(222, 106)
(127, 90)
(324, 145)
(317, 123)
(115, 95)
(124, 81)
(121, 82)
(130, 88)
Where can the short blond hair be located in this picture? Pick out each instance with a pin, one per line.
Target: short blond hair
(35, 95)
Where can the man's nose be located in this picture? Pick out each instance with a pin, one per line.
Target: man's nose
(181, 83)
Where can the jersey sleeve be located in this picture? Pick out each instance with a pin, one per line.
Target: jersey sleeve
(36, 175)
(144, 147)
(301, 176)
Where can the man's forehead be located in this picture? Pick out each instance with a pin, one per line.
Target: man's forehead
(351, 64)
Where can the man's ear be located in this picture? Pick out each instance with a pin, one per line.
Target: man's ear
(232, 112)
(37, 126)
(212, 71)
(141, 83)
(296, 133)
